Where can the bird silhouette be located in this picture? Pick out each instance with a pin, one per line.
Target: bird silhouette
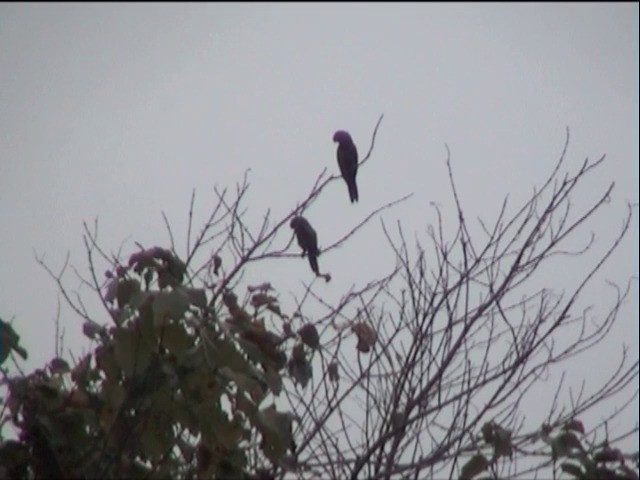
(347, 154)
(308, 240)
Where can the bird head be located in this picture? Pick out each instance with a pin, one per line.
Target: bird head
(294, 222)
(342, 136)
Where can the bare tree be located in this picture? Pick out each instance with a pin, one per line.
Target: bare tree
(463, 344)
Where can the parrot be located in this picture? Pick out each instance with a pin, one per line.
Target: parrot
(308, 240)
(347, 154)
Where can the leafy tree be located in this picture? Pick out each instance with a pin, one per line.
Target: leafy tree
(198, 374)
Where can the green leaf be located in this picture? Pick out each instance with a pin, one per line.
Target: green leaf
(487, 432)
(274, 380)
(232, 465)
(229, 433)
(572, 469)
(50, 394)
(80, 373)
(245, 383)
(545, 430)
(499, 438)
(113, 394)
(223, 352)
(171, 304)
(253, 351)
(246, 406)
(474, 466)
(58, 365)
(171, 274)
(105, 360)
(301, 371)
(9, 340)
(131, 353)
(155, 439)
(502, 444)
(628, 473)
(111, 290)
(176, 339)
(20, 351)
(140, 298)
(146, 326)
(562, 445)
(176, 267)
(92, 330)
(126, 288)
(276, 430)
(197, 296)
(15, 456)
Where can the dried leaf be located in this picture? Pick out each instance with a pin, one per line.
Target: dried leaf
(286, 327)
(575, 425)
(309, 335)
(474, 466)
(238, 314)
(298, 352)
(299, 367)
(608, 454)
(263, 287)
(58, 365)
(367, 336)
(260, 299)
(332, 370)
(217, 263)
(275, 309)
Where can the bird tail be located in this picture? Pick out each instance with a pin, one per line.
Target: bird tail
(353, 192)
(313, 261)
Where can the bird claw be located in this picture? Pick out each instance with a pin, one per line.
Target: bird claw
(326, 276)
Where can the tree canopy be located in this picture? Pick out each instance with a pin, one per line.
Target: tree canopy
(198, 374)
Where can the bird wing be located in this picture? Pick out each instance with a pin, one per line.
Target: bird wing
(311, 239)
(348, 159)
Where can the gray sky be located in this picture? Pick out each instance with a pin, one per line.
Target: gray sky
(118, 111)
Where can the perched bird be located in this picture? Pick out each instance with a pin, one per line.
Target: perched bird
(348, 161)
(308, 241)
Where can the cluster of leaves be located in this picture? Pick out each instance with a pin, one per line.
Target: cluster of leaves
(9, 342)
(582, 461)
(568, 445)
(183, 382)
(174, 387)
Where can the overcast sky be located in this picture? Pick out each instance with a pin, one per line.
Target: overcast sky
(118, 111)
